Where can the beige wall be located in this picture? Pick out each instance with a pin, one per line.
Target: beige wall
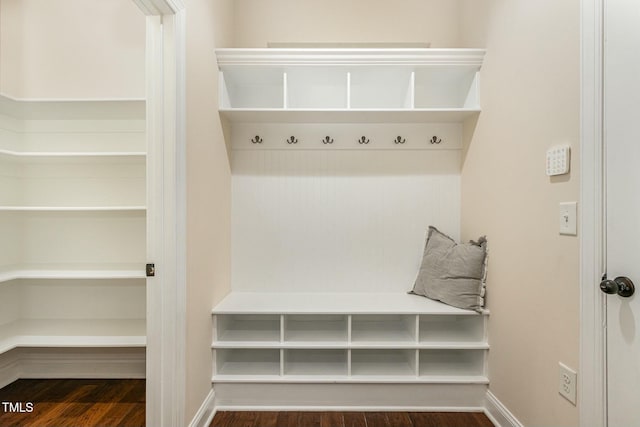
(258, 22)
(72, 49)
(208, 191)
(530, 101)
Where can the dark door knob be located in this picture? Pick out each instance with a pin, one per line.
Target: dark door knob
(622, 286)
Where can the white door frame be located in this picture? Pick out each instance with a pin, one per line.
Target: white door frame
(166, 211)
(592, 384)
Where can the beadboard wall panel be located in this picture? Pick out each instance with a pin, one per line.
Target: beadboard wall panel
(338, 220)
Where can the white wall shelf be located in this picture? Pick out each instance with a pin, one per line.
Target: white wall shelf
(347, 338)
(73, 222)
(349, 85)
(72, 333)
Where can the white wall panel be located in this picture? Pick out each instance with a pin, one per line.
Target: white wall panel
(338, 220)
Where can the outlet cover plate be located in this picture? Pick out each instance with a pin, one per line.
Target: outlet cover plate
(567, 382)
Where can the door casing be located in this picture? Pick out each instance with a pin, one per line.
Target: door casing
(592, 381)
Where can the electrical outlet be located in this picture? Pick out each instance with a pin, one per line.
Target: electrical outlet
(567, 382)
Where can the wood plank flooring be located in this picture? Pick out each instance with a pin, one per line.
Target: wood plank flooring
(74, 403)
(350, 419)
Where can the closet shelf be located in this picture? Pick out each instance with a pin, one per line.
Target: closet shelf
(73, 109)
(79, 271)
(73, 208)
(73, 333)
(354, 345)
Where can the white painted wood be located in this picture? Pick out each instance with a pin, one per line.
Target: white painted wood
(308, 89)
(417, 115)
(381, 88)
(396, 329)
(592, 394)
(345, 397)
(78, 271)
(72, 208)
(330, 363)
(451, 363)
(81, 362)
(499, 414)
(206, 412)
(311, 328)
(166, 204)
(72, 109)
(435, 329)
(228, 57)
(621, 136)
(334, 303)
(248, 362)
(370, 211)
(327, 83)
(345, 137)
(53, 156)
(379, 362)
(248, 328)
(72, 333)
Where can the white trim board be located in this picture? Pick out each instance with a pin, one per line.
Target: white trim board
(592, 393)
(206, 412)
(499, 415)
(71, 363)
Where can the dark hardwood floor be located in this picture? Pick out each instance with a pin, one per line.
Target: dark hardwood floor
(350, 419)
(73, 403)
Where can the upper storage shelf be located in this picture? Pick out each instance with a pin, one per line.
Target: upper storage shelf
(349, 85)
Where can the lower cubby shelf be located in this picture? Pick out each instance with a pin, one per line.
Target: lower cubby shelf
(340, 340)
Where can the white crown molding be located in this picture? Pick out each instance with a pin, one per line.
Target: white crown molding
(160, 7)
(346, 57)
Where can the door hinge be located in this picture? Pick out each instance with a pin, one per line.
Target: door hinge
(151, 270)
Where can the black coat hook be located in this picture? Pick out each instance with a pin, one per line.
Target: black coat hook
(399, 140)
(257, 140)
(327, 140)
(363, 140)
(435, 140)
(292, 140)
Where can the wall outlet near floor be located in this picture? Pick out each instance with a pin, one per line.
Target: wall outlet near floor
(567, 382)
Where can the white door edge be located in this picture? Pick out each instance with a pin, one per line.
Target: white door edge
(592, 384)
(166, 214)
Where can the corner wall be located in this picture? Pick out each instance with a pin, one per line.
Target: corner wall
(530, 102)
(208, 191)
(258, 22)
(72, 49)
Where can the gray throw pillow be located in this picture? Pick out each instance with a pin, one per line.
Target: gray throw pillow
(453, 273)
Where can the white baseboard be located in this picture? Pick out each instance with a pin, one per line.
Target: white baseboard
(206, 412)
(72, 363)
(9, 369)
(331, 396)
(499, 415)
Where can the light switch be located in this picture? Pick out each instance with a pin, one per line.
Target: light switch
(568, 221)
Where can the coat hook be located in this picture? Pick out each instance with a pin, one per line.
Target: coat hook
(435, 140)
(327, 140)
(363, 140)
(399, 140)
(292, 140)
(257, 140)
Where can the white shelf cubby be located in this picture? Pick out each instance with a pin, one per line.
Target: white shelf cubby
(347, 338)
(349, 85)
